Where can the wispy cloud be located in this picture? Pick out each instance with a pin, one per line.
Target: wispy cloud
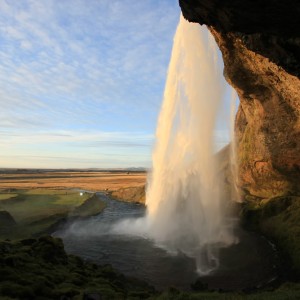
(82, 67)
(64, 54)
(82, 81)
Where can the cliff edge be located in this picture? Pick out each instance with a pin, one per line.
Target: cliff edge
(260, 44)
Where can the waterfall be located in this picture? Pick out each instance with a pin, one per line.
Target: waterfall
(185, 210)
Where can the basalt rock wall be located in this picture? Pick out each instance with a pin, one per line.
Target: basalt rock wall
(260, 44)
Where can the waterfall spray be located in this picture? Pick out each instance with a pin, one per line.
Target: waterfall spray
(185, 212)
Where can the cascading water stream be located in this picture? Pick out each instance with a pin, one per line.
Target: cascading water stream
(185, 210)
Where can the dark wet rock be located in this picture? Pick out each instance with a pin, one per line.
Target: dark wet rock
(199, 285)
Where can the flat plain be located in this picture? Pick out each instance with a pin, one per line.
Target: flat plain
(86, 180)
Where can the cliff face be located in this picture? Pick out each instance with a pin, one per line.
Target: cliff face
(260, 44)
(132, 194)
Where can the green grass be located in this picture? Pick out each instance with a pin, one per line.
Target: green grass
(90, 207)
(36, 210)
(32, 205)
(7, 196)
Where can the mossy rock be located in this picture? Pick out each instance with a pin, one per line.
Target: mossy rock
(279, 220)
(6, 219)
(16, 291)
(51, 250)
(30, 273)
(67, 290)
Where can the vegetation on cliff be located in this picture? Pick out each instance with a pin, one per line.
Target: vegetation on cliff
(130, 194)
(90, 207)
(278, 219)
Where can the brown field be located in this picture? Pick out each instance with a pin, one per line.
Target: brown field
(87, 180)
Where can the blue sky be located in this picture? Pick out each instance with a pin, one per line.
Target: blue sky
(81, 82)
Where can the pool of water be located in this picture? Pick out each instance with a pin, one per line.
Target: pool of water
(250, 263)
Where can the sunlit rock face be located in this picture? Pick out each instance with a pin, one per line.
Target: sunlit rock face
(260, 43)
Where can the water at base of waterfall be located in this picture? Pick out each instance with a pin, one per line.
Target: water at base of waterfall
(247, 264)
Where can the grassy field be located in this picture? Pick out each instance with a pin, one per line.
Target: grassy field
(38, 199)
(32, 205)
(35, 210)
(6, 196)
(92, 181)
